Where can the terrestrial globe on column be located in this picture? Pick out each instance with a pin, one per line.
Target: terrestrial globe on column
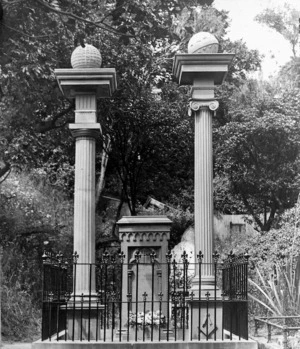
(86, 57)
(203, 42)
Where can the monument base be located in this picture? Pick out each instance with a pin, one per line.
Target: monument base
(206, 286)
(140, 335)
(84, 321)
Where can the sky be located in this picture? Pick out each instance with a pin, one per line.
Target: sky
(275, 48)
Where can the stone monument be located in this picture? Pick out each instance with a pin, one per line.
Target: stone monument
(144, 242)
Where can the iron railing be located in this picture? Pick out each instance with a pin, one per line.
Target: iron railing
(145, 299)
(285, 324)
(235, 290)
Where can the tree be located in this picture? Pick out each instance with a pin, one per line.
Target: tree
(151, 145)
(244, 62)
(289, 74)
(38, 36)
(34, 114)
(284, 21)
(257, 154)
(31, 102)
(157, 173)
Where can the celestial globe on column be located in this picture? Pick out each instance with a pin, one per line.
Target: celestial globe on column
(86, 56)
(203, 42)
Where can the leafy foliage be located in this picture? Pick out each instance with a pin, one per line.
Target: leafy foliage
(274, 265)
(279, 295)
(148, 139)
(31, 206)
(257, 155)
(181, 219)
(276, 284)
(18, 308)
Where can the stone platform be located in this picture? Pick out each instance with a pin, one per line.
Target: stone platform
(148, 345)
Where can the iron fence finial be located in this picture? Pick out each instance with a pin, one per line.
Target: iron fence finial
(200, 256)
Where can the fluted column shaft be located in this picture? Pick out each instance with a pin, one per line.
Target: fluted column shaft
(84, 212)
(85, 130)
(204, 187)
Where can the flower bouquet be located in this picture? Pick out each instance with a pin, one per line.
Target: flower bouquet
(147, 319)
(146, 325)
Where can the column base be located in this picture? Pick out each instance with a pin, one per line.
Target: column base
(84, 320)
(207, 287)
(84, 297)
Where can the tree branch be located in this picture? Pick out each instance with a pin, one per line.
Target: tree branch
(28, 35)
(48, 125)
(4, 171)
(117, 217)
(270, 220)
(101, 182)
(250, 209)
(103, 26)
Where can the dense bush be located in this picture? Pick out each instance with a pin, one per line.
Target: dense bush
(276, 281)
(33, 213)
(21, 317)
(274, 271)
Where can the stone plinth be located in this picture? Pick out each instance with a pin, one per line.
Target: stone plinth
(205, 319)
(84, 323)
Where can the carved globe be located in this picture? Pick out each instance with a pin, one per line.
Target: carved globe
(86, 57)
(203, 42)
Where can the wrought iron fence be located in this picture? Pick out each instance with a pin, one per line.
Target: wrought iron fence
(235, 290)
(145, 300)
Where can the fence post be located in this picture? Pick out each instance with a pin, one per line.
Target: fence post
(255, 327)
(285, 341)
(269, 333)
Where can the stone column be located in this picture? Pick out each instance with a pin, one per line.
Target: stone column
(209, 316)
(203, 68)
(203, 71)
(85, 85)
(85, 82)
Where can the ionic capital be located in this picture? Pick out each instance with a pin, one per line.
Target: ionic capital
(194, 106)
